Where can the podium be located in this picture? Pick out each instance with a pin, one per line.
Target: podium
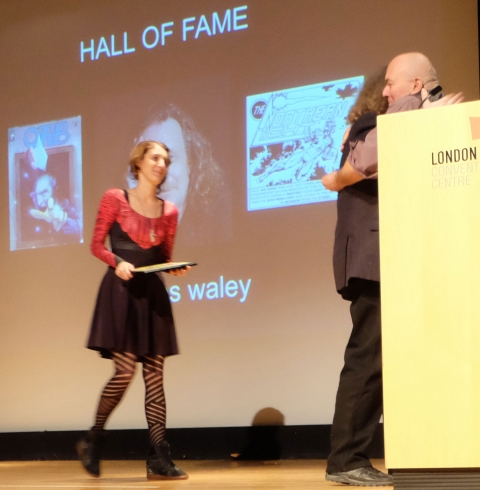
(429, 204)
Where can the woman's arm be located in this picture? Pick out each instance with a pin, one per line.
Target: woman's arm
(170, 232)
(107, 213)
(339, 179)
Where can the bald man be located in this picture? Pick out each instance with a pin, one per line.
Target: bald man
(410, 80)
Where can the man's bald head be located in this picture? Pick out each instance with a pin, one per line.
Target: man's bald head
(407, 74)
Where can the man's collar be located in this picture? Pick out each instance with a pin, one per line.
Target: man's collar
(407, 102)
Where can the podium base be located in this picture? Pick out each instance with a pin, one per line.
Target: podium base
(445, 479)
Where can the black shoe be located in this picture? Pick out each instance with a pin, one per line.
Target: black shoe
(160, 465)
(361, 477)
(89, 449)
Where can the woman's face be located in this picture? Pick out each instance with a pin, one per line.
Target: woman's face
(153, 166)
(175, 187)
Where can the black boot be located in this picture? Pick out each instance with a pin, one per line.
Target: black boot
(89, 448)
(160, 465)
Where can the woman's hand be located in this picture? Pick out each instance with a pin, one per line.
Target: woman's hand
(124, 270)
(330, 182)
(181, 271)
(449, 99)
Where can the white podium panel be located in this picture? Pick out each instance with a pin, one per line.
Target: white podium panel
(429, 195)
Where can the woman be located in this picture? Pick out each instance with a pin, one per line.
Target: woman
(133, 318)
(356, 264)
(363, 195)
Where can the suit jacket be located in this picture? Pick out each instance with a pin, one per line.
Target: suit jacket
(356, 251)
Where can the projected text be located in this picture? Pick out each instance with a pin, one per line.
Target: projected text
(223, 288)
(153, 36)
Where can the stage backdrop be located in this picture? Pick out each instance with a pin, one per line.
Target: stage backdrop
(252, 98)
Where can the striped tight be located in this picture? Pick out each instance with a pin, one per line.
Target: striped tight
(155, 407)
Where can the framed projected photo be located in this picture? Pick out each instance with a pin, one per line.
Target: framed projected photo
(293, 140)
(45, 184)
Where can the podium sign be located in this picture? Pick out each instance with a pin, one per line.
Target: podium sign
(429, 201)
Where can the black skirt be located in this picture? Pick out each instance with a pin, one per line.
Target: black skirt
(133, 316)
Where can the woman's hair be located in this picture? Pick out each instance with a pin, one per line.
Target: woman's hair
(139, 151)
(206, 182)
(370, 98)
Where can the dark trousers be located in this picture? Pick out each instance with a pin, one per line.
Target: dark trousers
(359, 402)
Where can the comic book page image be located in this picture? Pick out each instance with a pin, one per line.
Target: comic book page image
(45, 184)
(293, 140)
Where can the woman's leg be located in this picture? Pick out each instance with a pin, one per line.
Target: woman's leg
(89, 446)
(116, 387)
(159, 463)
(155, 407)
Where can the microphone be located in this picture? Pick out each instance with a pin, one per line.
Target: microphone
(436, 93)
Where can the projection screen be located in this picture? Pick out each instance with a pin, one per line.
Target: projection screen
(251, 96)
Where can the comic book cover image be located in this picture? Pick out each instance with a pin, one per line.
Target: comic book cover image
(45, 184)
(293, 140)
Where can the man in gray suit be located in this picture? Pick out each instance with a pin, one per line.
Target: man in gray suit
(410, 84)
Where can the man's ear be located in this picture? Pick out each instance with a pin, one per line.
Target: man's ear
(417, 86)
